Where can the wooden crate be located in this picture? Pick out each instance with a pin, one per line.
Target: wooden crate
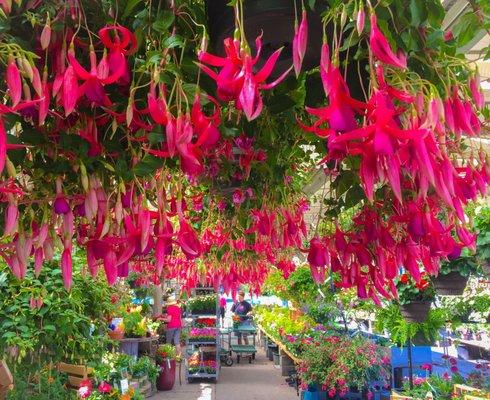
(470, 393)
(398, 396)
(76, 373)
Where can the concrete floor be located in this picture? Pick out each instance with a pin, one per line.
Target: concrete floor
(244, 381)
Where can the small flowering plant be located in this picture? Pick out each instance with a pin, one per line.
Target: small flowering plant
(205, 322)
(202, 335)
(340, 363)
(409, 290)
(165, 352)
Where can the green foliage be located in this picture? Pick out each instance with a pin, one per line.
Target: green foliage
(278, 321)
(275, 285)
(482, 224)
(64, 325)
(472, 306)
(466, 264)
(202, 304)
(389, 319)
(45, 384)
(440, 387)
(114, 366)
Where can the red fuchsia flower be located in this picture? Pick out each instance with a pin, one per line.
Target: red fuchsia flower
(188, 240)
(300, 41)
(318, 258)
(95, 79)
(381, 48)
(236, 80)
(157, 104)
(454, 369)
(339, 115)
(104, 387)
(453, 361)
(122, 44)
(404, 279)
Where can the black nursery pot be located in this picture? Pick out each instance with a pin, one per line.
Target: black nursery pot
(452, 284)
(416, 311)
(274, 19)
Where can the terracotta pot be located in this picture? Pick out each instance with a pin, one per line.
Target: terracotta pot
(166, 378)
(116, 335)
(416, 311)
(452, 284)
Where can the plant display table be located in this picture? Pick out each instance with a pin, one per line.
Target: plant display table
(203, 350)
(131, 346)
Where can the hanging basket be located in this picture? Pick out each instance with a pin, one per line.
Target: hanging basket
(416, 311)
(452, 284)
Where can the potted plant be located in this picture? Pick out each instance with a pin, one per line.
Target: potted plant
(202, 335)
(454, 274)
(360, 363)
(202, 305)
(165, 358)
(415, 298)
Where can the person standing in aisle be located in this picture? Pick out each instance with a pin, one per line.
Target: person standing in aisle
(174, 323)
(242, 309)
(222, 308)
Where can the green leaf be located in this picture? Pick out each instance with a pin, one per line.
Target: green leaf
(164, 21)
(148, 165)
(418, 12)
(174, 41)
(465, 30)
(130, 7)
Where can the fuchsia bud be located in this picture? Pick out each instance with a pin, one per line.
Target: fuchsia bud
(476, 92)
(361, 15)
(14, 81)
(67, 266)
(300, 41)
(11, 217)
(46, 35)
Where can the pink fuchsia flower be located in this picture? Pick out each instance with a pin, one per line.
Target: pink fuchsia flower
(14, 81)
(104, 387)
(84, 392)
(446, 376)
(381, 48)
(331, 392)
(453, 361)
(426, 367)
(238, 196)
(221, 205)
(370, 395)
(418, 380)
(454, 369)
(448, 35)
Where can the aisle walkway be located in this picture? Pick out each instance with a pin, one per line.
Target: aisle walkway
(256, 381)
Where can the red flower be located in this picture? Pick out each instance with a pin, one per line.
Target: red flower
(422, 285)
(104, 387)
(404, 279)
(454, 369)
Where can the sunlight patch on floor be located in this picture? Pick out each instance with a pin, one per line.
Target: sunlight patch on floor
(206, 392)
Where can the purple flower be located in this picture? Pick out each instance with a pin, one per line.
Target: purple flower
(61, 206)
